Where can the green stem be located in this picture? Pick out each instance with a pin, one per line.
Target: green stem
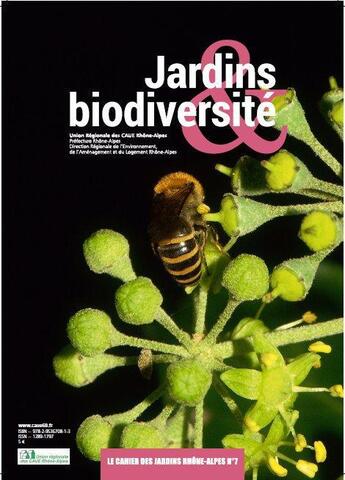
(164, 358)
(199, 425)
(310, 389)
(286, 326)
(153, 345)
(284, 457)
(328, 187)
(228, 400)
(222, 321)
(255, 473)
(306, 333)
(168, 323)
(200, 305)
(320, 195)
(230, 244)
(133, 359)
(309, 207)
(282, 337)
(324, 154)
(130, 415)
(260, 310)
(162, 418)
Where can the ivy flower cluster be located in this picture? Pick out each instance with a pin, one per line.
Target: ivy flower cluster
(197, 362)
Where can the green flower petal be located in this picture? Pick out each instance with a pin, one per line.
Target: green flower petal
(243, 381)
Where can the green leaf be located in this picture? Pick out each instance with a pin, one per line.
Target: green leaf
(243, 381)
(277, 431)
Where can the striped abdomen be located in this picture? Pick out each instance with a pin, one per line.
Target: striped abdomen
(182, 258)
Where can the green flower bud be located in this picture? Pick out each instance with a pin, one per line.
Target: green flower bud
(142, 435)
(332, 106)
(68, 367)
(333, 96)
(337, 113)
(248, 327)
(188, 381)
(248, 177)
(74, 369)
(91, 332)
(107, 251)
(243, 381)
(239, 216)
(246, 277)
(319, 230)
(93, 434)
(227, 216)
(292, 279)
(281, 170)
(138, 301)
(287, 285)
(289, 112)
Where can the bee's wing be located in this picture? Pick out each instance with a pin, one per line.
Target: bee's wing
(165, 219)
(172, 205)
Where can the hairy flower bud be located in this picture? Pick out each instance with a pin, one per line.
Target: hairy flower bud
(107, 251)
(142, 435)
(289, 112)
(246, 277)
(319, 230)
(91, 332)
(74, 369)
(138, 301)
(281, 169)
(239, 216)
(248, 327)
(292, 279)
(337, 113)
(93, 434)
(332, 106)
(188, 381)
(248, 177)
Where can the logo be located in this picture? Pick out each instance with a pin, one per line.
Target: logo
(43, 456)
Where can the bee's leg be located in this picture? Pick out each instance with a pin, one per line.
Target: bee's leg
(204, 261)
(229, 244)
(154, 248)
(213, 236)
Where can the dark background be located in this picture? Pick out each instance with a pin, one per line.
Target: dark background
(53, 201)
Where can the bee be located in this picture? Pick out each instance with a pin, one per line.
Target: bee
(177, 230)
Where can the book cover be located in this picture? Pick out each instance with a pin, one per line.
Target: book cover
(172, 228)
